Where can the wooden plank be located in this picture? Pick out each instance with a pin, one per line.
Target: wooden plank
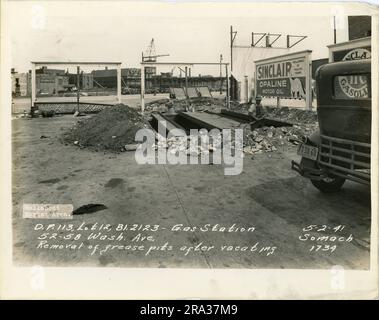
(212, 120)
(168, 125)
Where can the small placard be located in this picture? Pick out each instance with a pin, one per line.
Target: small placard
(47, 211)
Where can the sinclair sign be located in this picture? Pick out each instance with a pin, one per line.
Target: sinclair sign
(350, 50)
(285, 76)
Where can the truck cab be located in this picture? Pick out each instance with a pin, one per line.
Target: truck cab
(340, 150)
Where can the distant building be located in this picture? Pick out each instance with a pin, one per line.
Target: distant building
(45, 71)
(21, 84)
(107, 78)
(50, 81)
(164, 81)
(85, 80)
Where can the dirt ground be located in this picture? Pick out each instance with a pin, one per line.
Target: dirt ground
(267, 196)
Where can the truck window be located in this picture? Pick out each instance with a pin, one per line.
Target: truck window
(354, 86)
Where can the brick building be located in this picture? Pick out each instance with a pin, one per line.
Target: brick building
(107, 78)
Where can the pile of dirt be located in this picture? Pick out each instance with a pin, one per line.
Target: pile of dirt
(109, 130)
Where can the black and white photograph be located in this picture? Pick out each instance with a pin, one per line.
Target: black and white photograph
(189, 137)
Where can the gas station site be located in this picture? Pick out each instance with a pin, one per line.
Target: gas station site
(80, 150)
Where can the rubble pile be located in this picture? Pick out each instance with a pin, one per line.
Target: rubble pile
(268, 139)
(293, 115)
(183, 144)
(193, 104)
(109, 130)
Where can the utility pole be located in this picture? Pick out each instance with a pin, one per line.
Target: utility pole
(231, 48)
(220, 74)
(334, 29)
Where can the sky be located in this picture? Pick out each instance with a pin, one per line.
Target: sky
(189, 32)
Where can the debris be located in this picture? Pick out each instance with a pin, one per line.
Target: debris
(44, 137)
(47, 113)
(269, 139)
(196, 104)
(131, 147)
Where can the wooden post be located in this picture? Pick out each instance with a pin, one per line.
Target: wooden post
(119, 83)
(308, 80)
(77, 88)
(227, 88)
(142, 87)
(246, 88)
(186, 80)
(33, 83)
(220, 74)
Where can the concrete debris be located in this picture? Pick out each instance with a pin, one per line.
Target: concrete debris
(192, 104)
(131, 147)
(183, 144)
(268, 139)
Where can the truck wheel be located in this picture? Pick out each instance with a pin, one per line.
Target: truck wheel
(329, 184)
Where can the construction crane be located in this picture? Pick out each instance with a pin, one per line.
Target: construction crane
(150, 54)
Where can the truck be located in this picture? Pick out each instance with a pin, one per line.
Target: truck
(340, 149)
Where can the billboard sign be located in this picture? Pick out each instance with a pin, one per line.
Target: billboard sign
(354, 86)
(352, 54)
(350, 50)
(351, 86)
(285, 76)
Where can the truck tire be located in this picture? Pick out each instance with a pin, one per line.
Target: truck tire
(329, 184)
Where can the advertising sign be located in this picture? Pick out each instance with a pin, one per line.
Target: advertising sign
(286, 76)
(350, 50)
(352, 54)
(351, 86)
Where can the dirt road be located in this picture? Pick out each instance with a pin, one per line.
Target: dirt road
(177, 212)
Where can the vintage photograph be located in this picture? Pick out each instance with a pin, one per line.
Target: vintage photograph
(191, 136)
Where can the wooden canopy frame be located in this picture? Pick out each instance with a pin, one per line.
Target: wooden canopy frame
(70, 63)
(182, 64)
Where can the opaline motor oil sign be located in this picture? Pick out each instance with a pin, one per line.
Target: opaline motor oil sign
(282, 78)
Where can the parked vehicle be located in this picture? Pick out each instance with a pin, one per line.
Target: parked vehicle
(340, 151)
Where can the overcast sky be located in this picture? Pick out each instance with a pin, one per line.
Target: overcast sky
(197, 32)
